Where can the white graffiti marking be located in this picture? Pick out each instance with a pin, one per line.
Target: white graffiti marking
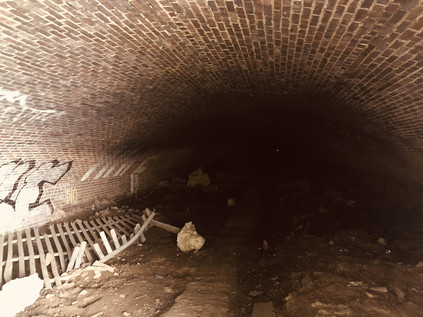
(22, 184)
(22, 108)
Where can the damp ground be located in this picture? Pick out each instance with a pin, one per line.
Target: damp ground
(301, 249)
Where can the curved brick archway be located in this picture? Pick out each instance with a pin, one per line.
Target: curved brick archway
(111, 85)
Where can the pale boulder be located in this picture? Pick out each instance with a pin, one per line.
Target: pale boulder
(188, 239)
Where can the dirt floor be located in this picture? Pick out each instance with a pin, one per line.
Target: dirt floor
(305, 249)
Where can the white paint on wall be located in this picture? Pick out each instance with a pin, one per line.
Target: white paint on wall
(22, 201)
(119, 170)
(107, 174)
(126, 168)
(141, 168)
(101, 172)
(19, 107)
(92, 169)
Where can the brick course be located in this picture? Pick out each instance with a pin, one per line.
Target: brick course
(83, 80)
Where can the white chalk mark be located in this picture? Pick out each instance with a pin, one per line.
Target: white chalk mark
(23, 108)
(92, 169)
(101, 172)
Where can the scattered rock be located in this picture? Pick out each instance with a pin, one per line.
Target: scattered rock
(231, 202)
(379, 289)
(370, 295)
(198, 178)
(382, 241)
(188, 239)
(420, 264)
(83, 292)
(400, 294)
(265, 245)
(263, 309)
(255, 293)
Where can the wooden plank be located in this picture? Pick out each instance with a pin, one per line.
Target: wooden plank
(53, 263)
(97, 234)
(158, 224)
(105, 242)
(21, 254)
(122, 222)
(114, 238)
(131, 220)
(59, 248)
(30, 251)
(124, 239)
(73, 258)
(64, 240)
(85, 233)
(103, 226)
(80, 254)
(42, 259)
(1, 259)
(70, 235)
(8, 267)
(133, 239)
(87, 252)
(116, 225)
(98, 250)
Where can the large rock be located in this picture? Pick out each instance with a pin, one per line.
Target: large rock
(188, 239)
(198, 178)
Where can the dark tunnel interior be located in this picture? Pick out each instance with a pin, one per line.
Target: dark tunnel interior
(211, 158)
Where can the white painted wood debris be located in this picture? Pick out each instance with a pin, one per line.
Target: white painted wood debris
(66, 246)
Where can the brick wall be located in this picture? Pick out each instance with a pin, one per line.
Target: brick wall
(105, 81)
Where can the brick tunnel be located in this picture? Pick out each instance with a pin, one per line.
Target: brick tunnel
(283, 103)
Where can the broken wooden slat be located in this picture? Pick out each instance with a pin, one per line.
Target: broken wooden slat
(97, 239)
(116, 225)
(98, 251)
(21, 254)
(87, 252)
(1, 259)
(130, 219)
(73, 258)
(53, 261)
(114, 238)
(70, 234)
(105, 242)
(85, 233)
(8, 267)
(124, 239)
(135, 238)
(80, 254)
(103, 226)
(64, 240)
(42, 259)
(59, 248)
(95, 233)
(120, 220)
(30, 252)
(161, 225)
(142, 236)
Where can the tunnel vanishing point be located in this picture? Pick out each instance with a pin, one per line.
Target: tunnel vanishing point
(104, 98)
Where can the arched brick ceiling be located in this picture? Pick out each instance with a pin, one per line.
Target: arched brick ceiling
(93, 75)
